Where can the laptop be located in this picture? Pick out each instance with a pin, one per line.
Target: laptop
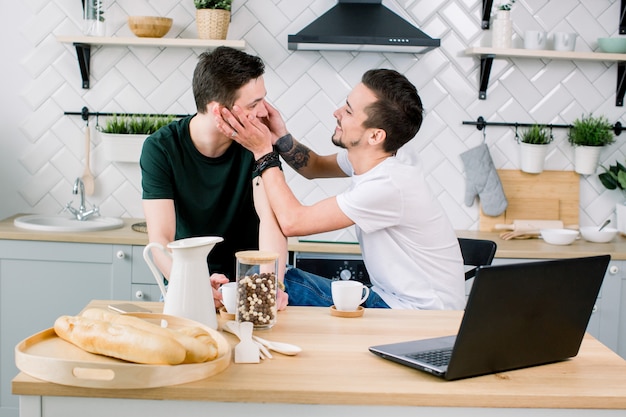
(516, 316)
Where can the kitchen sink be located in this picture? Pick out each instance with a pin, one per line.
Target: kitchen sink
(60, 223)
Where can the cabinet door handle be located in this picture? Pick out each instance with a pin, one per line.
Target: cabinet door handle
(120, 254)
(139, 294)
(614, 269)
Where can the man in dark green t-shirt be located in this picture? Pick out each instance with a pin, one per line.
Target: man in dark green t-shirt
(198, 182)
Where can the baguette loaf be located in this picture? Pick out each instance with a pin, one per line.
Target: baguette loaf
(119, 341)
(200, 345)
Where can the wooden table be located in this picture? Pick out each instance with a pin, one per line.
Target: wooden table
(336, 375)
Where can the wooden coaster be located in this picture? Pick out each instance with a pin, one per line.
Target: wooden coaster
(226, 315)
(358, 313)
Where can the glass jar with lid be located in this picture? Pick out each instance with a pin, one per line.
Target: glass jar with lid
(257, 288)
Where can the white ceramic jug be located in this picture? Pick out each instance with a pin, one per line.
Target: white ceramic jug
(189, 293)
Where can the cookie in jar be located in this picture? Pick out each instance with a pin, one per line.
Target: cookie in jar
(257, 288)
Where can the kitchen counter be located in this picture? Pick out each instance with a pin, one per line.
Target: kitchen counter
(122, 236)
(336, 375)
(526, 248)
(516, 248)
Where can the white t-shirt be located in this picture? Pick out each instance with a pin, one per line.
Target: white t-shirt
(408, 244)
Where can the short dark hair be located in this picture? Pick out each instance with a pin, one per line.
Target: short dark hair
(398, 110)
(220, 73)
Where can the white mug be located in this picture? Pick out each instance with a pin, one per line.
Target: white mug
(564, 41)
(534, 39)
(348, 295)
(229, 296)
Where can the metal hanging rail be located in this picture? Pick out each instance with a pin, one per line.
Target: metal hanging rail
(481, 123)
(85, 113)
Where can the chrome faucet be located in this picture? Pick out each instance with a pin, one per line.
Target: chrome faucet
(82, 213)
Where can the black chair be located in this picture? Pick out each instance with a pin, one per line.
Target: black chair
(476, 252)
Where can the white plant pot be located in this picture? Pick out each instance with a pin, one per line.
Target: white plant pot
(122, 148)
(532, 157)
(620, 214)
(586, 159)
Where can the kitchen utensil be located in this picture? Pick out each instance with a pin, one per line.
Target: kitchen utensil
(48, 357)
(189, 292)
(550, 195)
(522, 234)
(87, 178)
(530, 225)
(559, 236)
(592, 234)
(246, 351)
(606, 223)
(280, 347)
(232, 327)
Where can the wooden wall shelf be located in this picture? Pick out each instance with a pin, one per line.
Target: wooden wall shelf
(487, 55)
(83, 46)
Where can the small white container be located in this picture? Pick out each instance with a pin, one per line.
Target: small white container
(559, 236)
(592, 234)
(122, 148)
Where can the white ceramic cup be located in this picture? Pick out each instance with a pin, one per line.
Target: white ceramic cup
(564, 41)
(534, 39)
(229, 296)
(348, 295)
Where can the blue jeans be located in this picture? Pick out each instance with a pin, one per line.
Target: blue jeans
(306, 289)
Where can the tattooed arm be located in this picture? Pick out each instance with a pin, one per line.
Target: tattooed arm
(306, 162)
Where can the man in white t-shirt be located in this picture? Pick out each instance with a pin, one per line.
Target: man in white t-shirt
(408, 244)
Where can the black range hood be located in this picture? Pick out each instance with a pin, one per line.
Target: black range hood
(365, 25)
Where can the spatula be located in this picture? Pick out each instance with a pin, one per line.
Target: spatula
(87, 177)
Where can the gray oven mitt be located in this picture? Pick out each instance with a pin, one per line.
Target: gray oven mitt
(483, 180)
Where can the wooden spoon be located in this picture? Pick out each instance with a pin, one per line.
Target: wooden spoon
(87, 177)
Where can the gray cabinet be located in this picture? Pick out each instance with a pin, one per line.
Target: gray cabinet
(40, 281)
(144, 286)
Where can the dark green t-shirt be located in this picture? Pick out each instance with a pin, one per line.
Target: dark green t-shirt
(212, 196)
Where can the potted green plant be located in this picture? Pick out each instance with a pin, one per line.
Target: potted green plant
(212, 18)
(123, 135)
(589, 135)
(614, 178)
(534, 143)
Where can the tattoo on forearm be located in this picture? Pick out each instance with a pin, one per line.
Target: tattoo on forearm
(296, 156)
(284, 143)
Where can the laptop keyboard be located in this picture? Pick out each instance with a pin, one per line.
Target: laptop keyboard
(437, 357)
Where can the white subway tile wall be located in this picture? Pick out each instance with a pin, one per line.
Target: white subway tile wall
(307, 87)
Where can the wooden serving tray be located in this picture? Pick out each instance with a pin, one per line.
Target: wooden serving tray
(48, 357)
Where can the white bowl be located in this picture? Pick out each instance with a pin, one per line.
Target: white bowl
(559, 236)
(593, 235)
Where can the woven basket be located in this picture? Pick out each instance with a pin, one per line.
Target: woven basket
(212, 23)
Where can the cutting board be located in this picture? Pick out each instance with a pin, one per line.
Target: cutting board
(550, 195)
(48, 357)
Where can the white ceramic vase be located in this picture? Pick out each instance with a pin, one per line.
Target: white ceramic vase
(502, 30)
(586, 159)
(93, 18)
(532, 157)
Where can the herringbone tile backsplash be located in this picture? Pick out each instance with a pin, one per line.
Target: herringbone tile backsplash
(308, 86)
